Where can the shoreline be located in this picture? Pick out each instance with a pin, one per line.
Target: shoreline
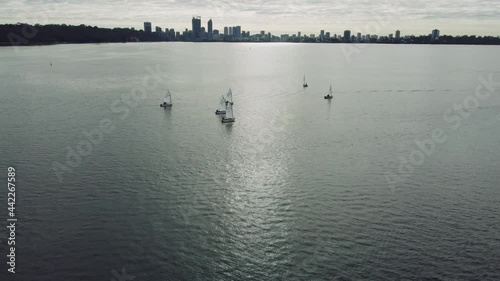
(35, 44)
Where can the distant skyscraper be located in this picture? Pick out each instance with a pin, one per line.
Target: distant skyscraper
(298, 34)
(327, 35)
(398, 34)
(262, 33)
(231, 30)
(196, 23)
(237, 31)
(358, 37)
(347, 35)
(147, 27)
(158, 29)
(210, 27)
(435, 35)
(322, 35)
(226, 30)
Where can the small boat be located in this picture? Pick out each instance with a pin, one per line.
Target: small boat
(230, 96)
(228, 118)
(222, 106)
(304, 83)
(168, 100)
(330, 94)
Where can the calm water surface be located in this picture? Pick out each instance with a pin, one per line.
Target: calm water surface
(295, 189)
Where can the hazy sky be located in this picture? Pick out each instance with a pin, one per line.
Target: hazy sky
(454, 17)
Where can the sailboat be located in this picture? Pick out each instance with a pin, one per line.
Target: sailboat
(330, 94)
(230, 96)
(167, 102)
(228, 118)
(304, 83)
(222, 106)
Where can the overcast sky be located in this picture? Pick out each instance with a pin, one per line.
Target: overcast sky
(481, 17)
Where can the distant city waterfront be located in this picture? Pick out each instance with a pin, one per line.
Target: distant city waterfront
(26, 34)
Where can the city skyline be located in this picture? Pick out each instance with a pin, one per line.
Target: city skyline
(383, 17)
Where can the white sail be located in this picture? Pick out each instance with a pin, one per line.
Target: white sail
(304, 79)
(222, 105)
(331, 92)
(230, 96)
(168, 97)
(229, 111)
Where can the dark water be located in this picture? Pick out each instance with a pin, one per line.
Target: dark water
(295, 189)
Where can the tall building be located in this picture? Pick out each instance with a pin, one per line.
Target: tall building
(347, 35)
(196, 23)
(158, 29)
(358, 37)
(398, 34)
(210, 27)
(147, 27)
(231, 30)
(226, 30)
(435, 35)
(298, 34)
(237, 31)
(321, 35)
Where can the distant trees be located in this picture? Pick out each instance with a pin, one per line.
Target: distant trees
(62, 33)
(457, 40)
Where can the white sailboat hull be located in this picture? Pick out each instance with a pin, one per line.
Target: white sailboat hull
(166, 105)
(227, 120)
